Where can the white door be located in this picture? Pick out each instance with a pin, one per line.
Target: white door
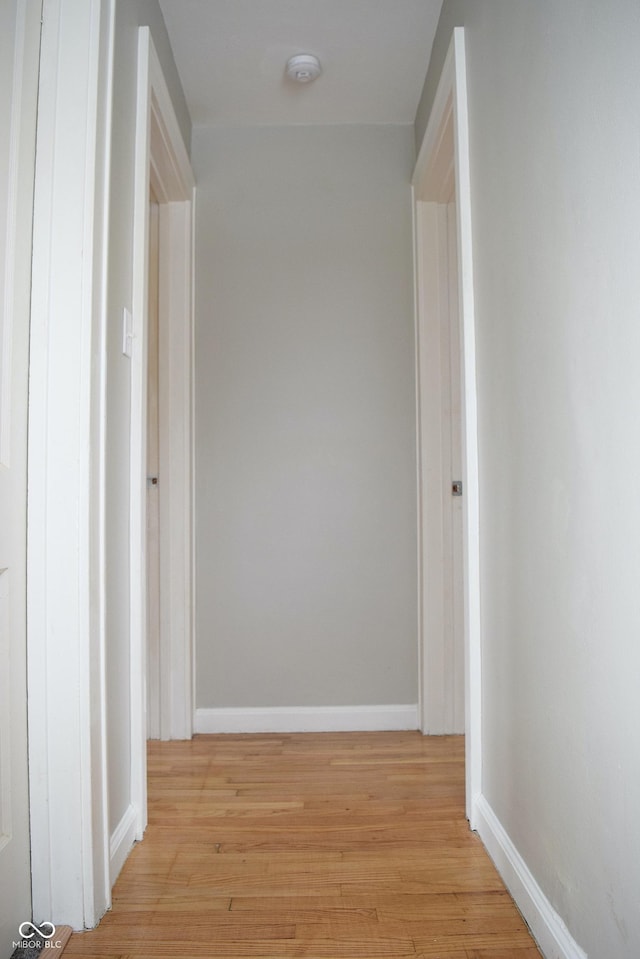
(441, 469)
(452, 481)
(154, 715)
(19, 57)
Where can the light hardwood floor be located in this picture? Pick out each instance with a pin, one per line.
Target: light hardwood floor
(324, 846)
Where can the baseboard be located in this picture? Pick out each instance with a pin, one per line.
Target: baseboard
(306, 719)
(121, 842)
(550, 932)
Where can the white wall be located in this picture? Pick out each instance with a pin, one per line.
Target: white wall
(305, 425)
(554, 106)
(130, 14)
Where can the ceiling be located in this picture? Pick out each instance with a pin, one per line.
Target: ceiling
(231, 56)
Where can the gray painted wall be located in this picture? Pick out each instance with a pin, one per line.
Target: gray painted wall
(554, 106)
(130, 14)
(305, 422)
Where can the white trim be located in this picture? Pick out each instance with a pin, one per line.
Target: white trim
(161, 155)
(431, 181)
(549, 931)
(191, 665)
(421, 611)
(306, 719)
(65, 552)
(137, 440)
(470, 470)
(99, 469)
(7, 277)
(122, 842)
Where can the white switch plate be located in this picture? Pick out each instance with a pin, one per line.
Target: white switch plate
(127, 332)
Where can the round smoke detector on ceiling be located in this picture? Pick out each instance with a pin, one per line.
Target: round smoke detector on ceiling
(303, 68)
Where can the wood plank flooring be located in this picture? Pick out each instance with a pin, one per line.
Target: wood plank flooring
(323, 846)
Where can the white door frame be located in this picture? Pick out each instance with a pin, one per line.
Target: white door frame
(443, 163)
(162, 159)
(65, 543)
(20, 43)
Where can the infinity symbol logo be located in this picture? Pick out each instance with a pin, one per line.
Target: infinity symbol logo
(46, 931)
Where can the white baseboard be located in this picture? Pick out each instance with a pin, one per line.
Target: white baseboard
(121, 842)
(306, 719)
(550, 932)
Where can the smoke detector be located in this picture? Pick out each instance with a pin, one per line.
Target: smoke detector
(303, 68)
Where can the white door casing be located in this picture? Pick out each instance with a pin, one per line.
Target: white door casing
(65, 546)
(162, 162)
(442, 172)
(19, 60)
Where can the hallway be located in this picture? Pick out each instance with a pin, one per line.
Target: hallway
(326, 846)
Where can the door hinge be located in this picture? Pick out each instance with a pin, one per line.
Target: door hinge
(456, 488)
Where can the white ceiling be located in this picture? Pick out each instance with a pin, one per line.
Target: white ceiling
(231, 57)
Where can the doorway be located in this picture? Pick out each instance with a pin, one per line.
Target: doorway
(161, 428)
(448, 500)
